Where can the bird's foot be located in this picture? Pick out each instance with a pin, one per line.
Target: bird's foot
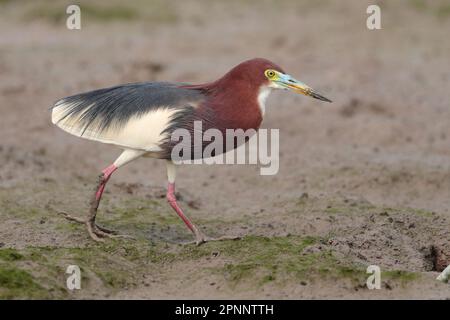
(96, 232)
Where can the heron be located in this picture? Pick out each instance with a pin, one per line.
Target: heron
(140, 118)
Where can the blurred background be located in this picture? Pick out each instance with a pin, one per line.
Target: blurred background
(383, 144)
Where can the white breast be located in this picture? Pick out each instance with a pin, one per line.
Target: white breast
(262, 97)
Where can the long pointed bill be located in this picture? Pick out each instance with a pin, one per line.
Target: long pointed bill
(288, 82)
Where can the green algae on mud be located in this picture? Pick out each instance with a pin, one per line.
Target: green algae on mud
(10, 254)
(120, 264)
(401, 276)
(249, 263)
(16, 283)
(281, 259)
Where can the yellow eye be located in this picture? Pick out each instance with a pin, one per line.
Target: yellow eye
(270, 74)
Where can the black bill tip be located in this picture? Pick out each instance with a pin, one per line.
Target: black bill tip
(318, 96)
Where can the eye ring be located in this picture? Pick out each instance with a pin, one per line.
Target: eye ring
(270, 74)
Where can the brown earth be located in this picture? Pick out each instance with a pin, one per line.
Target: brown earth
(362, 181)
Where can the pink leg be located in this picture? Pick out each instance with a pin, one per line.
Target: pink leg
(200, 238)
(106, 174)
(94, 230)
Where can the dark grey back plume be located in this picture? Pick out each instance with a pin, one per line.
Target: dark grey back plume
(114, 106)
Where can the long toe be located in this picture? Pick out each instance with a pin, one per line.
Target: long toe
(200, 239)
(71, 218)
(105, 230)
(223, 238)
(100, 231)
